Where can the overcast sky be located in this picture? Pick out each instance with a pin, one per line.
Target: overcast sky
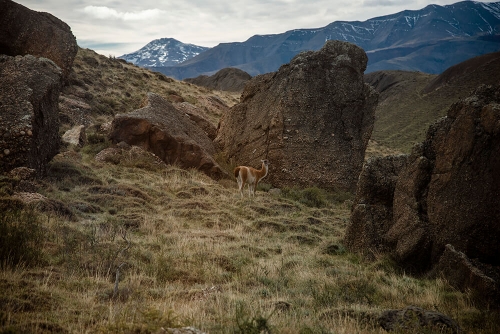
(116, 27)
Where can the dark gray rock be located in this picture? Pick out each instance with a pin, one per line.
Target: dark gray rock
(29, 120)
(413, 319)
(25, 31)
(312, 119)
(462, 273)
(448, 193)
(372, 215)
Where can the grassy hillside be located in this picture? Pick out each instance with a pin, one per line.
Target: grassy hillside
(112, 86)
(403, 114)
(190, 251)
(411, 101)
(134, 246)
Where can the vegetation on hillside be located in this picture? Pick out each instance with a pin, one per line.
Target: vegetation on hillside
(135, 246)
(156, 247)
(410, 102)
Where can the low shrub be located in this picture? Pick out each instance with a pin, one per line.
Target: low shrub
(312, 197)
(21, 234)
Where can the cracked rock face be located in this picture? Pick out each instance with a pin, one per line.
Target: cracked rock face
(25, 31)
(440, 206)
(36, 54)
(170, 134)
(29, 120)
(311, 119)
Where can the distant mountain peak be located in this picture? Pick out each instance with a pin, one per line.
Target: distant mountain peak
(429, 40)
(163, 52)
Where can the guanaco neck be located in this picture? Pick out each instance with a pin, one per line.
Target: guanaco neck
(263, 170)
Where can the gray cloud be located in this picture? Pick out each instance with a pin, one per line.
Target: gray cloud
(116, 27)
(385, 3)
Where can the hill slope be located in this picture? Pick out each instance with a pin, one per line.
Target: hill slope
(410, 101)
(134, 246)
(427, 40)
(227, 79)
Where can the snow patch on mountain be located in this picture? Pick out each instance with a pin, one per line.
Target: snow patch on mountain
(163, 52)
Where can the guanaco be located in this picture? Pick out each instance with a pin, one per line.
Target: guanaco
(251, 176)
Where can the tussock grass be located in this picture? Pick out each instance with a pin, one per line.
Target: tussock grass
(190, 252)
(149, 245)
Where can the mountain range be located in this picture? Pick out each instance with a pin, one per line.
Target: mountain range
(428, 40)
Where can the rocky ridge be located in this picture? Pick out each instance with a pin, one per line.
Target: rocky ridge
(229, 79)
(446, 193)
(428, 40)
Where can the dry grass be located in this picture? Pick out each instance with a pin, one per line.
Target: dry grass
(189, 251)
(112, 86)
(192, 252)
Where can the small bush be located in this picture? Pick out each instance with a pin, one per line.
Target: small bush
(20, 237)
(95, 144)
(312, 197)
(264, 186)
(246, 324)
(96, 138)
(315, 197)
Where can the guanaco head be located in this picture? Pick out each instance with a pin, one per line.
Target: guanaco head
(265, 162)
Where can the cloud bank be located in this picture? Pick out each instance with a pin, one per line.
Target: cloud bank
(102, 12)
(116, 27)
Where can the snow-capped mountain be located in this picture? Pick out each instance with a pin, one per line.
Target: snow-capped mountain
(428, 40)
(163, 52)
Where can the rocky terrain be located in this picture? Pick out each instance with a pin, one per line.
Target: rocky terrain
(446, 194)
(121, 219)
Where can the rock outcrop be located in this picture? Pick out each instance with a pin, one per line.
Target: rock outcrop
(312, 119)
(29, 123)
(75, 136)
(168, 133)
(372, 213)
(193, 113)
(413, 319)
(450, 189)
(25, 31)
(463, 273)
(448, 192)
(229, 79)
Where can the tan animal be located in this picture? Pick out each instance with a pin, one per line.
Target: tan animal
(251, 176)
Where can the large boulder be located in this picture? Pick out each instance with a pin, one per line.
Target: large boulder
(168, 133)
(464, 273)
(448, 193)
(29, 121)
(312, 119)
(372, 214)
(25, 31)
